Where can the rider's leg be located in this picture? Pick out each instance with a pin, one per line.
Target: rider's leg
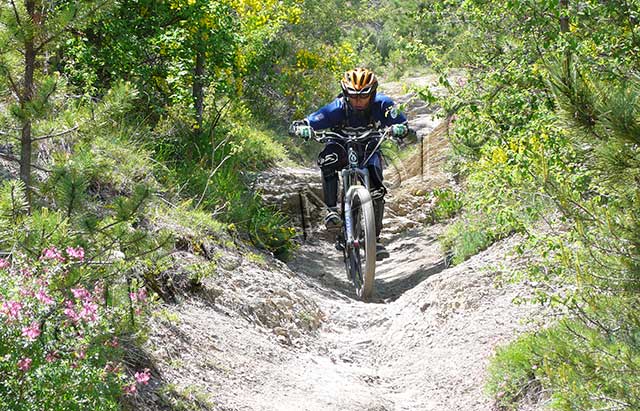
(330, 160)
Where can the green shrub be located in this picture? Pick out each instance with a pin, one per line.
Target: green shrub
(594, 365)
(512, 372)
(447, 204)
(464, 239)
(220, 181)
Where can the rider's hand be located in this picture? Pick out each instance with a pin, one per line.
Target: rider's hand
(303, 131)
(399, 130)
(300, 128)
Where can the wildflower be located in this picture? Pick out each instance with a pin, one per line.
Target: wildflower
(31, 332)
(89, 311)
(26, 292)
(42, 282)
(51, 254)
(142, 295)
(113, 343)
(98, 289)
(129, 389)
(24, 364)
(51, 356)
(43, 297)
(70, 312)
(11, 309)
(143, 377)
(76, 253)
(4, 264)
(81, 293)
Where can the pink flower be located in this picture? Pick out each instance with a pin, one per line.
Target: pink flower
(25, 292)
(89, 311)
(43, 297)
(76, 253)
(141, 295)
(51, 254)
(11, 309)
(42, 282)
(4, 264)
(24, 364)
(143, 377)
(112, 342)
(129, 389)
(81, 293)
(70, 312)
(51, 356)
(31, 332)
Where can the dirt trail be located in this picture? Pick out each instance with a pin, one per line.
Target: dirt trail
(294, 337)
(424, 342)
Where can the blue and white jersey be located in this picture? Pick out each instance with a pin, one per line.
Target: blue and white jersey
(337, 114)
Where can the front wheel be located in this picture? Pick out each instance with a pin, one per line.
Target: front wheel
(360, 257)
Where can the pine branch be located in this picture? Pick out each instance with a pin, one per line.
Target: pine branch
(13, 84)
(61, 133)
(54, 36)
(17, 160)
(15, 11)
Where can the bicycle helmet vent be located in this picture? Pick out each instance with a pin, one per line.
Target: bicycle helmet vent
(359, 82)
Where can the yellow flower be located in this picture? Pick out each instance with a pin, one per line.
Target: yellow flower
(499, 156)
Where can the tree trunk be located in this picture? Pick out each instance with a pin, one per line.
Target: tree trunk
(564, 28)
(27, 96)
(198, 88)
(564, 16)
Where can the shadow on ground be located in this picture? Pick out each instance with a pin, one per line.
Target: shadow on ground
(415, 256)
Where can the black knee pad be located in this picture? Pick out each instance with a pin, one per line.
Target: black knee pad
(332, 159)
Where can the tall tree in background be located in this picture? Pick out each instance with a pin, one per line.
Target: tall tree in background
(29, 30)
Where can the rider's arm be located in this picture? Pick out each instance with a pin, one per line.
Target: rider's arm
(329, 116)
(390, 116)
(390, 113)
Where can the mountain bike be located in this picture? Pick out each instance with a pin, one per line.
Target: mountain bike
(358, 234)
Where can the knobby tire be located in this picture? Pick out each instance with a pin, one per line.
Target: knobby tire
(361, 260)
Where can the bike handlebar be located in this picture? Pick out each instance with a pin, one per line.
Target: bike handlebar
(324, 136)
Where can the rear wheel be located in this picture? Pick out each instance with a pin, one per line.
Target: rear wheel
(361, 255)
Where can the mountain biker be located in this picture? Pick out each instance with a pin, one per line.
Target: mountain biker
(358, 108)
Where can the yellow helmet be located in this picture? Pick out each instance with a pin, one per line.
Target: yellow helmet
(359, 81)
